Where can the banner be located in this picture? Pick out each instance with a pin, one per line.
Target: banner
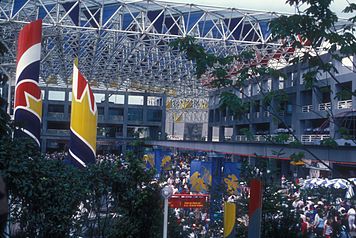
(193, 131)
(188, 200)
(231, 177)
(83, 121)
(229, 219)
(28, 97)
(149, 159)
(200, 176)
(255, 209)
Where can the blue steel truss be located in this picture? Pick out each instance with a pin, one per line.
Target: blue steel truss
(125, 45)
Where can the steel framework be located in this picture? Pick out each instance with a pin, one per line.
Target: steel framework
(125, 45)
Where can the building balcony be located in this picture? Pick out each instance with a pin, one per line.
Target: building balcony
(116, 117)
(307, 108)
(266, 114)
(56, 115)
(313, 138)
(346, 104)
(325, 106)
(257, 114)
(58, 132)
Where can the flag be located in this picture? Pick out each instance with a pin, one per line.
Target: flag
(231, 176)
(200, 176)
(149, 159)
(28, 98)
(229, 219)
(83, 121)
(255, 209)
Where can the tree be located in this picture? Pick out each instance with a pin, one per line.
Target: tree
(313, 26)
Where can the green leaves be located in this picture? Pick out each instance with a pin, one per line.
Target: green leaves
(234, 103)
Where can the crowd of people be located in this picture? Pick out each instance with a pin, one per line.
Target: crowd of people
(195, 221)
(318, 217)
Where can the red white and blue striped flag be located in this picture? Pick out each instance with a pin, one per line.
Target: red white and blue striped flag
(28, 100)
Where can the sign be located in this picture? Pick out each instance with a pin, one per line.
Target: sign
(188, 200)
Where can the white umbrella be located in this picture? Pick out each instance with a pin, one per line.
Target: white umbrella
(311, 183)
(352, 180)
(338, 183)
(350, 192)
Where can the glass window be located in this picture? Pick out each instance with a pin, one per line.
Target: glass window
(135, 114)
(43, 94)
(100, 111)
(70, 96)
(56, 108)
(154, 115)
(116, 113)
(154, 101)
(56, 95)
(117, 99)
(1, 92)
(99, 97)
(135, 100)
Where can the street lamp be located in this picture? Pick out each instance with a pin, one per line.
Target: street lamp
(167, 192)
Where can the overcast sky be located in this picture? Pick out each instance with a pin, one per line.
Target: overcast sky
(268, 5)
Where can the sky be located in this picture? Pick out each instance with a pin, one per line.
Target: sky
(268, 5)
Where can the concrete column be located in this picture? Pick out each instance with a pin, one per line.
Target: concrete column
(163, 125)
(124, 128)
(210, 133)
(221, 133)
(144, 109)
(353, 97)
(316, 99)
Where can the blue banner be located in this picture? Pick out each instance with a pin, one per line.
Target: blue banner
(200, 176)
(149, 159)
(231, 176)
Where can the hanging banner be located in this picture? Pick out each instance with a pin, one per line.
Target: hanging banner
(231, 177)
(200, 176)
(229, 219)
(149, 159)
(255, 209)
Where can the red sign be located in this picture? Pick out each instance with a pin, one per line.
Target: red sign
(188, 200)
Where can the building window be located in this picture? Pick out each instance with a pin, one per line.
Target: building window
(116, 114)
(154, 101)
(56, 95)
(154, 115)
(135, 114)
(99, 97)
(135, 100)
(117, 99)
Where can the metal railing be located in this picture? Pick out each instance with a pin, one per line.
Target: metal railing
(307, 108)
(344, 104)
(325, 106)
(58, 131)
(55, 115)
(313, 138)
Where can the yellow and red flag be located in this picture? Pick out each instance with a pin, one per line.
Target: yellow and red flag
(83, 121)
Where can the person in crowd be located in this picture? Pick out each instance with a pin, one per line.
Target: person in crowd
(319, 224)
(3, 206)
(328, 231)
(351, 213)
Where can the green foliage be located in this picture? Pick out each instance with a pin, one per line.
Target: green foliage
(108, 199)
(329, 142)
(234, 103)
(344, 132)
(246, 132)
(297, 156)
